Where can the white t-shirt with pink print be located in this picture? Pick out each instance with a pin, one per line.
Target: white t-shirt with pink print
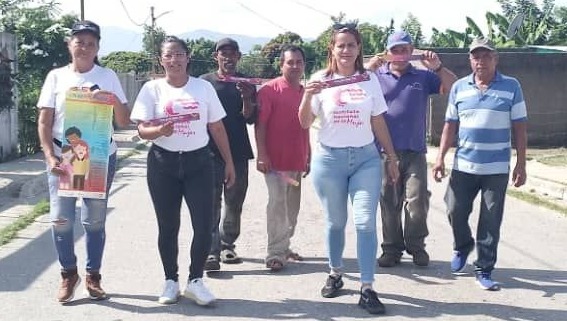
(344, 112)
(191, 108)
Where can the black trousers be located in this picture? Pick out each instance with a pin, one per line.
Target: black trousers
(173, 176)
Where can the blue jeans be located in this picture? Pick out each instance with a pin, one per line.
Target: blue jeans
(226, 231)
(93, 217)
(355, 172)
(461, 192)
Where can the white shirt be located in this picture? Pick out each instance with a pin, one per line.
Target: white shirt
(192, 106)
(60, 80)
(345, 111)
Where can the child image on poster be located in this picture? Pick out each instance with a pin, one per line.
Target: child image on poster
(66, 165)
(81, 165)
(73, 135)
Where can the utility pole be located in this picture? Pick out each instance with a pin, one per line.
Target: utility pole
(153, 44)
(82, 10)
(155, 63)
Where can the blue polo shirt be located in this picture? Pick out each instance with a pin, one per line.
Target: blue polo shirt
(407, 97)
(485, 122)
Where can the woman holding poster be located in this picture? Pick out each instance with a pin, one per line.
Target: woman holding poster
(82, 74)
(346, 163)
(177, 113)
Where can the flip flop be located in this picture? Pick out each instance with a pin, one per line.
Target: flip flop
(293, 256)
(228, 256)
(274, 264)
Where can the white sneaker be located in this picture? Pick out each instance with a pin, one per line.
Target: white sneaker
(197, 291)
(170, 293)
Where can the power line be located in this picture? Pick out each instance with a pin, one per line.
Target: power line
(262, 17)
(130, 18)
(312, 8)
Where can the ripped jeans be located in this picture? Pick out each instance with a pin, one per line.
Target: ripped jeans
(93, 217)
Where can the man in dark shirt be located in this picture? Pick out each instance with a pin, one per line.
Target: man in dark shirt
(239, 102)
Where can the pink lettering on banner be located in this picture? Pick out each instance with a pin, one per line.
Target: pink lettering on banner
(346, 80)
(253, 81)
(401, 58)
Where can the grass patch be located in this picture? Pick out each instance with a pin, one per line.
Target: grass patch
(554, 160)
(538, 201)
(548, 156)
(9, 232)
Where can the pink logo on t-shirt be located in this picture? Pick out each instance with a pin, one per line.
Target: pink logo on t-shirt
(343, 96)
(182, 112)
(180, 106)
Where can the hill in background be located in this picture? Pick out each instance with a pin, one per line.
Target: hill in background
(120, 39)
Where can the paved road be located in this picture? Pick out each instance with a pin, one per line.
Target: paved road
(532, 267)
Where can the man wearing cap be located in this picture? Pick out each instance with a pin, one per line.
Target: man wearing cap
(406, 90)
(484, 110)
(239, 102)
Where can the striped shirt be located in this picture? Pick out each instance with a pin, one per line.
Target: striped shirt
(485, 120)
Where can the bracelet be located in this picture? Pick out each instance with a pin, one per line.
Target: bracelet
(438, 68)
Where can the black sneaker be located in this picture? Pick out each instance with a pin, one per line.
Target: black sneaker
(369, 301)
(389, 260)
(420, 257)
(332, 286)
(212, 263)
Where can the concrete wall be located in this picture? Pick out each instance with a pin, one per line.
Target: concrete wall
(131, 84)
(8, 118)
(543, 77)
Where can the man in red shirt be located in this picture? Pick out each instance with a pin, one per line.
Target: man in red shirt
(283, 153)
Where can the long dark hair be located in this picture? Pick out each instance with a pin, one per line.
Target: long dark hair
(331, 62)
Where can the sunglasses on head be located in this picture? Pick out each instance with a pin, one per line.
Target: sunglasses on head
(348, 26)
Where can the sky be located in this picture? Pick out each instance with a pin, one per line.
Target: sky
(268, 18)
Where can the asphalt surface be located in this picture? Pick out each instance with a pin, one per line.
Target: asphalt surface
(532, 268)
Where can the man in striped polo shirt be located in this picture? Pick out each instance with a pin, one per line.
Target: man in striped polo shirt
(484, 110)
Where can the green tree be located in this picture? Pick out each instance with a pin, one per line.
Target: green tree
(558, 35)
(202, 61)
(537, 21)
(449, 39)
(41, 34)
(374, 37)
(151, 40)
(271, 51)
(256, 65)
(127, 61)
(412, 25)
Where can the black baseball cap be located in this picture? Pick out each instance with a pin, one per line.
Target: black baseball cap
(227, 42)
(86, 26)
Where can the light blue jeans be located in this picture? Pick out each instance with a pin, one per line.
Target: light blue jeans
(93, 217)
(355, 173)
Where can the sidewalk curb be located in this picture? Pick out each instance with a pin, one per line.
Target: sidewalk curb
(22, 189)
(546, 187)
